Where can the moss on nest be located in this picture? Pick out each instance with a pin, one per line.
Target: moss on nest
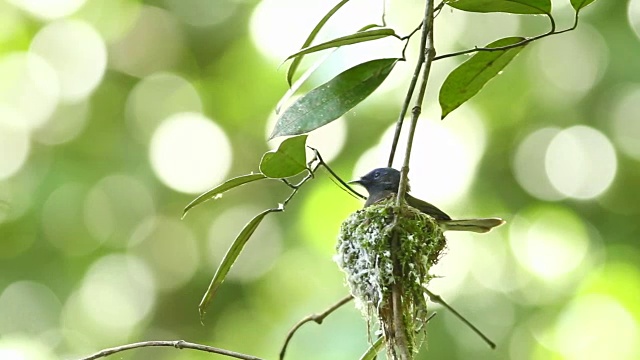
(364, 254)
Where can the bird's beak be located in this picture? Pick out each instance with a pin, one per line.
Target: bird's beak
(355, 182)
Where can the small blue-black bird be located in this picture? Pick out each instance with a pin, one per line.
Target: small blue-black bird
(384, 182)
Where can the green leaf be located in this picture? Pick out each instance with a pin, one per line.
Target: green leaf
(311, 37)
(218, 190)
(358, 37)
(507, 6)
(290, 159)
(332, 99)
(230, 258)
(373, 350)
(467, 79)
(579, 4)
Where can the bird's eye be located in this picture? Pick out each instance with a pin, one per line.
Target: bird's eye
(376, 175)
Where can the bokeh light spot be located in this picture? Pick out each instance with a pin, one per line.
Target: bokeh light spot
(190, 153)
(114, 206)
(22, 347)
(64, 125)
(169, 247)
(529, 165)
(597, 327)
(29, 308)
(570, 65)
(550, 242)
(77, 53)
(633, 16)
(202, 12)
(626, 127)
(441, 144)
(118, 292)
(154, 43)
(49, 9)
(14, 143)
(29, 87)
(581, 162)
(157, 97)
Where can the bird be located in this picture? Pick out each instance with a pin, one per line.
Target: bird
(382, 183)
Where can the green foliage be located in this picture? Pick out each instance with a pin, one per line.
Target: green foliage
(312, 35)
(222, 188)
(507, 6)
(230, 258)
(373, 350)
(579, 4)
(358, 37)
(332, 99)
(470, 77)
(289, 160)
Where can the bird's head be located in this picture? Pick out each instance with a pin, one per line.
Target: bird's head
(378, 180)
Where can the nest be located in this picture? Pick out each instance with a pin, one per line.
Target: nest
(372, 267)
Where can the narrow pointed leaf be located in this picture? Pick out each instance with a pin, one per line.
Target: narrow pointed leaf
(579, 4)
(334, 98)
(220, 189)
(373, 350)
(290, 159)
(296, 85)
(469, 78)
(311, 37)
(230, 258)
(506, 6)
(347, 40)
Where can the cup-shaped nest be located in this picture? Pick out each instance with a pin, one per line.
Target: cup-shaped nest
(375, 262)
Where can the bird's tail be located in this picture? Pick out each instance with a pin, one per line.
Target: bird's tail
(475, 225)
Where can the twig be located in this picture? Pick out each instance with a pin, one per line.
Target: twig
(317, 318)
(552, 31)
(438, 300)
(335, 176)
(178, 344)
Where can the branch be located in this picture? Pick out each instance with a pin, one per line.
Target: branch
(317, 318)
(178, 344)
(438, 300)
(552, 31)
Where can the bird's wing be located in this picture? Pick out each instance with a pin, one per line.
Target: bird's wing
(427, 208)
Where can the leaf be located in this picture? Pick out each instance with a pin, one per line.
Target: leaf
(230, 258)
(355, 38)
(507, 6)
(579, 4)
(467, 79)
(332, 99)
(290, 159)
(373, 350)
(311, 37)
(218, 190)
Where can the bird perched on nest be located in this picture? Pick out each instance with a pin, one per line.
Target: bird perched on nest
(382, 183)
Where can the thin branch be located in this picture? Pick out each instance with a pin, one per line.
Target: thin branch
(552, 31)
(438, 300)
(178, 344)
(317, 318)
(335, 176)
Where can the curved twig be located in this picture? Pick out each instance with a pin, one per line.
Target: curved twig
(178, 344)
(317, 318)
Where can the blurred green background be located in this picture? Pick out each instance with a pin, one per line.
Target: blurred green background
(114, 114)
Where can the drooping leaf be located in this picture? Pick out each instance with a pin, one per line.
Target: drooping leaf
(332, 99)
(373, 350)
(506, 6)
(311, 37)
(579, 4)
(230, 258)
(288, 160)
(467, 79)
(296, 85)
(355, 38)
(218, 190)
